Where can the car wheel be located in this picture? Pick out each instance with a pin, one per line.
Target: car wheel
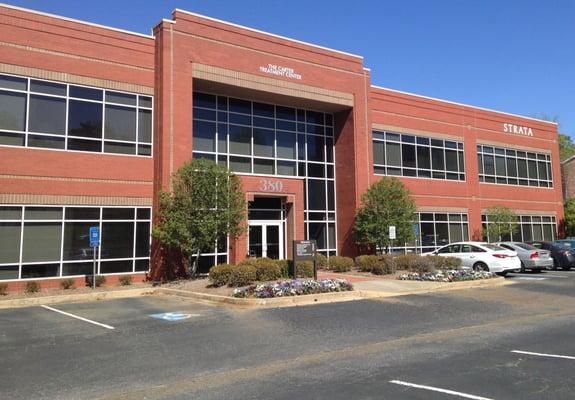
(537, 270)
(567, 268)
(522, 269)
(480, 266)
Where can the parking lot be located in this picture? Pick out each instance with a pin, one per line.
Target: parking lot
(493, 343)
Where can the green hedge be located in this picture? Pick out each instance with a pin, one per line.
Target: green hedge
(220, 274)
(266, 268)
(242, 275)
(304, 269)
(339, 264)
(378, 265)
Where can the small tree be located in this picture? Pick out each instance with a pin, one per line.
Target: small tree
(386, 203)
(206, 204)
(570, 217)
(502, 221)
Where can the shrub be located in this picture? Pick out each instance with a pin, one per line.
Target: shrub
(220, 274)
(100, 280)
(444, 263)
(67, 283)
(125, 280)
(405, 261)
(321, 261)
(366, 263)
(3, 289)
(284, 266)
(386, 265)
(242, 275)
(32, 287)
(340, 264)
(415, 263)
(266, 268)
(304, 269)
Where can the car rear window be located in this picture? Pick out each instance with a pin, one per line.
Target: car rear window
(525, 246)
(492, 247)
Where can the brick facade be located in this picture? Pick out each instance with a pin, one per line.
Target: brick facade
(191, 52)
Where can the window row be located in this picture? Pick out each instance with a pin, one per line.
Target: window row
(259, 114)
(45, 114)
(218, 138)
(54, 241)
(436, 230)
(417, 156)
(514, 167)
(528, 228)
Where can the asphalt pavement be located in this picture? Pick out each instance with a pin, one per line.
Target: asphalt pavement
(509, 342)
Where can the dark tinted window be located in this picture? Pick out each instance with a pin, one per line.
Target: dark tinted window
(85, 119)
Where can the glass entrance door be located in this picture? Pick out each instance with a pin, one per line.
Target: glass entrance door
(265, 239)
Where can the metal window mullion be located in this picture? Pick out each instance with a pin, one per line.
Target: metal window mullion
(98, 262)
(62, 240)
(21, 243)
(138, 123)
(27, 121)
(103, 123)
(134, 239)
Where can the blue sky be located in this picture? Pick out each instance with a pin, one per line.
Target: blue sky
(516, 56)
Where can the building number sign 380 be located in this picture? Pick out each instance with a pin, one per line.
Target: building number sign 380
(271, 185)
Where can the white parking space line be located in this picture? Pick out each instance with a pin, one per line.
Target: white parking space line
(529, 353)
(435, 389)
(528, 278)
(77, 317)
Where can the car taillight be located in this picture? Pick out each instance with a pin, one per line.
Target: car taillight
(500, 255)
(534, 255)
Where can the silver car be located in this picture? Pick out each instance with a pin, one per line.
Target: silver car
(531, 257)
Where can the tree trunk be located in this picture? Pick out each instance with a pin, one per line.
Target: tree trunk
(194, 265)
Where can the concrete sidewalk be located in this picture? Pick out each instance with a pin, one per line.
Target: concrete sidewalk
(395, 287)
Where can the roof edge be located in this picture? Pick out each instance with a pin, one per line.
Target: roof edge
(45, 14)
(465, 105)
(266, 33)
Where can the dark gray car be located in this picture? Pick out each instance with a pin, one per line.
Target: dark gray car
(531, 257)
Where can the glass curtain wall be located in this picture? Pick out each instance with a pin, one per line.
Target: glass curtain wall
(507, 166)
(530, 228)
(52, 115)
(417, 156)
(255, 138)
(436, 229)
(42, 242)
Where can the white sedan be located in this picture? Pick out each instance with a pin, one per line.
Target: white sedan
(481, 256)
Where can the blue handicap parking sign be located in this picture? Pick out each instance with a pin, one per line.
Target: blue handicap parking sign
(171, 316)
(94, 236)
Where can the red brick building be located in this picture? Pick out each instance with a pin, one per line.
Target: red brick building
(94, 120)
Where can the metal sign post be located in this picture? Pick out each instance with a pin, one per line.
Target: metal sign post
(304, 250)
(94, 244)
(416, 233)
(392, 235)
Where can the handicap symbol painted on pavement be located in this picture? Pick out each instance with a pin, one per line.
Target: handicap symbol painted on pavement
(173, 316)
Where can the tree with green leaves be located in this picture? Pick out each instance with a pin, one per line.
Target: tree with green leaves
(566, 145)
(501, 221)
(206, 204)
(569, 209)
(386, 203)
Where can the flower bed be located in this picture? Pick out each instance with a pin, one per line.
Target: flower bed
(453, 275)
(294, 287)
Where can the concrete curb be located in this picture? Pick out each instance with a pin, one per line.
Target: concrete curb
(75, 298)
(322, 298)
